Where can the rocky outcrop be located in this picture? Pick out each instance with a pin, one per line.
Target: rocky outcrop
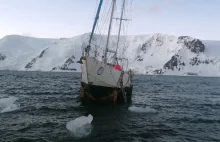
(195, 45)
(64, 68)
(158, 71)
(2, 57)
(139, 58)
(174, 62)
(30, 64)
(42, 53)
(153, 71)
(70, 60)
(67, 66)
(145, 46)
(191, 74)
(157, 40)
(195, 61)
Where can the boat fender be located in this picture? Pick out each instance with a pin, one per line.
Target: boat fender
(115, 98)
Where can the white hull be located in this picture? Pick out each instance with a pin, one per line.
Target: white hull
(97, 73)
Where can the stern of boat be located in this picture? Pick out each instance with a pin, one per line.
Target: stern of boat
(103, 83)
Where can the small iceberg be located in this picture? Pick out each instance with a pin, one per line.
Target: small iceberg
(142, 109)
(81, 126)
(8, 104)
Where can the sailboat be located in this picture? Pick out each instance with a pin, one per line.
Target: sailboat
(105, 80)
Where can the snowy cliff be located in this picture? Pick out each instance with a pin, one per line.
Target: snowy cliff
(170, 55)
(151, 54)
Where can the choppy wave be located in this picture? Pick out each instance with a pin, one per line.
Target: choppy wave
(142, 109)
(48, 107)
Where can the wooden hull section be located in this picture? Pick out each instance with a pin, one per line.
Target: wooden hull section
(100, 94)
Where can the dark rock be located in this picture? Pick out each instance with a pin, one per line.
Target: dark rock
(42, 53)
(69, 61)
(2, 57)
(172, 62)
(191, 73)
(206, 62)
(183, 64)
(158, 71)
(157, 39)
(144, 46)
(30, 64)
(147, 44)
(195, 45)
(65, 66)
(139, 58)
(196, 61)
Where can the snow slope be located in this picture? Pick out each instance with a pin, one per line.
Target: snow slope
(26, 53)
(147, 54)
(170, 55)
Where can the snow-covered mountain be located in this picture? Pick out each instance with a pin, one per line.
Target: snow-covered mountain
(150, 54)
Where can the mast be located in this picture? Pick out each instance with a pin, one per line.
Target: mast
(119, 31)
(95, 22)
(109, 30)
(94, 25)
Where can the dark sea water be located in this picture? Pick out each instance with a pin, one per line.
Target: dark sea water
(39, 106)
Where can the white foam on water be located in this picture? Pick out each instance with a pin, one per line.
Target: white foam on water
(81, 126)
(8, 104)
(141, 109)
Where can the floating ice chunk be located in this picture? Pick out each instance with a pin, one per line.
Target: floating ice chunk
(90, 118)
(7, 104)
(10, 108)
(142, 109)
(81, 126)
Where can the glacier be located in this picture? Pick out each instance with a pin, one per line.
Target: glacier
(155, 54)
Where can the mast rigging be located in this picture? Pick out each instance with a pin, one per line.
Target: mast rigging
(109, 31)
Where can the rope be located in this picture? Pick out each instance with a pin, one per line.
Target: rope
(120, 84)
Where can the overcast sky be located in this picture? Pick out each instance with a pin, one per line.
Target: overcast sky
(67, 18)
